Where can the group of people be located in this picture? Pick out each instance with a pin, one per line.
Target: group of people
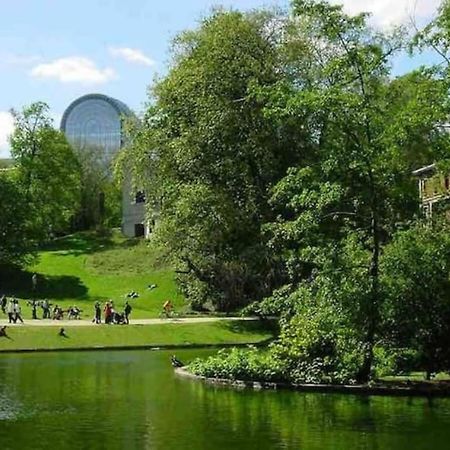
(12, 308)
(46, 309)
(111, 315)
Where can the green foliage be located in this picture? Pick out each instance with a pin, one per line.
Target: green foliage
(47, 169)
(100, 196)
(16, 231)
(363, 134)
(240, 364)
(212, 155)
(282, 156)
(391, 361)
(337, 212)
(417, 283)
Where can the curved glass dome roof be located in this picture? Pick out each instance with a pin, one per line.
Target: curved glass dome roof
(95, 121)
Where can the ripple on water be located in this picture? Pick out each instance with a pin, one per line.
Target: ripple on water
(11, 408)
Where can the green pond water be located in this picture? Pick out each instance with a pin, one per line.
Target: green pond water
(132, 400)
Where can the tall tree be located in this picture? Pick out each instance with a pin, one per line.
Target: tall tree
(359, 186)
(47, 168)
(16, 231)
(215, 156)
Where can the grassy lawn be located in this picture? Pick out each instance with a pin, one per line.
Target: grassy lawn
(416, 376)
(82, 268)
(133, 335)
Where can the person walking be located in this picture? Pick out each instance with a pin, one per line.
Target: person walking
(10, 311)
(34, 305)
(127, 312)
(45, 309)
(98, 313)
(17, 311)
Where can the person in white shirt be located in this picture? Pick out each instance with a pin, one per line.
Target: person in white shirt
(17, 311)
(10, 311)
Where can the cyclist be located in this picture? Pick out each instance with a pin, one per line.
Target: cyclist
(168, 308)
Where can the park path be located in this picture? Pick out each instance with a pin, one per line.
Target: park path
(88, 323)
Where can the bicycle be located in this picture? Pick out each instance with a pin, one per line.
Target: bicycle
(164, 314)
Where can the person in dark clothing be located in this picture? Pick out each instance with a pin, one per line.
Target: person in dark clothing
(3, 331)
(62, 333)
(175, 361)
(34, 305)
(127, 312)
(3, 301)
(98, 313)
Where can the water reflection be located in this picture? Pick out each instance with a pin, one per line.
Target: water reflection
(132, 400)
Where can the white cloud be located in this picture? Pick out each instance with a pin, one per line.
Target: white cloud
(389, 12)
(132, 55)
(74, 69)
(6, 129)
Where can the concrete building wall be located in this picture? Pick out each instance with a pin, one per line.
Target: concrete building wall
(133, 213)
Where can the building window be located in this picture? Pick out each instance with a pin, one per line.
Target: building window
(139, 230)
(140, 197)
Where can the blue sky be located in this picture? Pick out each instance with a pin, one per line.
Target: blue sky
(57, 50)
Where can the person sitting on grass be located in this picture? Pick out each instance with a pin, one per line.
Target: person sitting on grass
(3, 331)
(62, 333)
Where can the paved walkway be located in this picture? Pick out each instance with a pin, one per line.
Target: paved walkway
(88, 323)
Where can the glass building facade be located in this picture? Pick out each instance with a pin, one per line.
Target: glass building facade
(94, 121)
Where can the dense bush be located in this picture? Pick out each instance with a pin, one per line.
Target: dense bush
(240, 364)
(313, 347)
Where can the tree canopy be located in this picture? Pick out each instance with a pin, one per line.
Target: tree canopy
(47, 169)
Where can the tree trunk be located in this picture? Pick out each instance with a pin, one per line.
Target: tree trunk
(372, 310)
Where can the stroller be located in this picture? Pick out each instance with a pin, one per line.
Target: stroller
(74, 313)
(118, 318)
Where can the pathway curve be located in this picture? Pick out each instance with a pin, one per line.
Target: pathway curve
(88, 323)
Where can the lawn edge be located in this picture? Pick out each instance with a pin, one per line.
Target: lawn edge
(367, 390)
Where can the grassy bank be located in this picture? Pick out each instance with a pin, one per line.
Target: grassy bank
(217, 333)
(83, 268)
